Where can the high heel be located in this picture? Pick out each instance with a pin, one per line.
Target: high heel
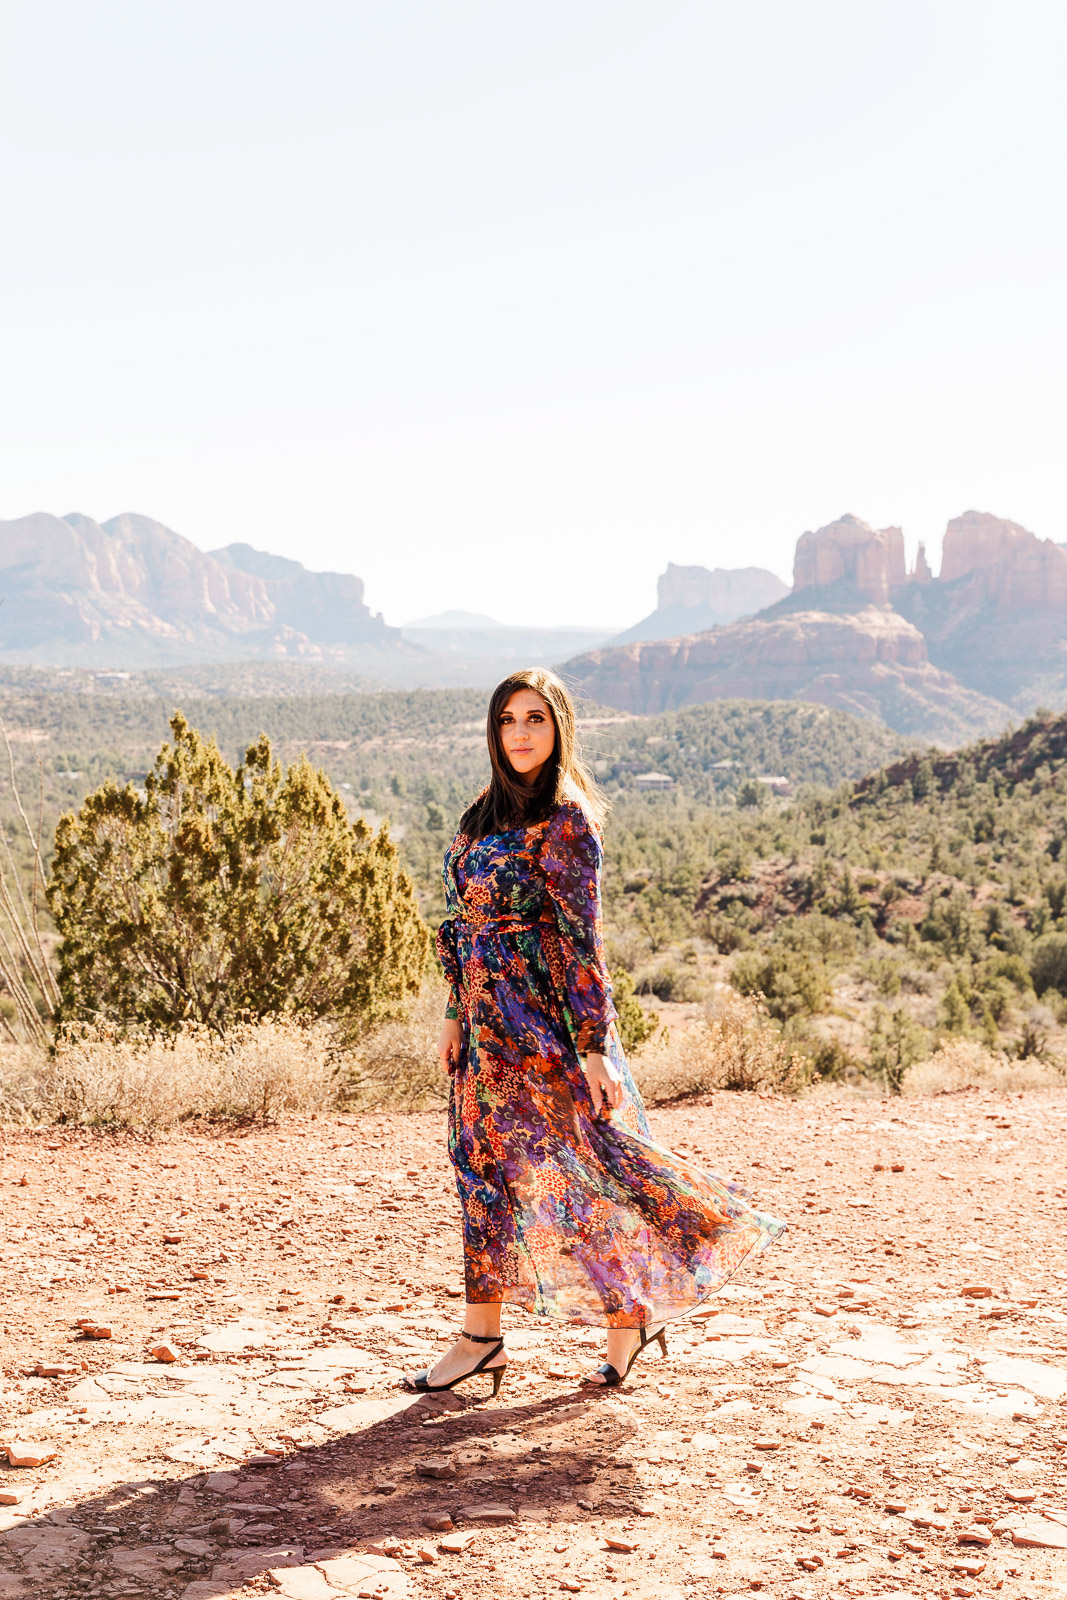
(612, 1376)
(421, 1381)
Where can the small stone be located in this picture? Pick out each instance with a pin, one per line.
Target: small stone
(969, 1569)
(384, 1486)
(435, 1467)
(427, 1555)
(824, 1311)
(1021, 1497)
(173, 1238)
(438, 1522)
(767, 1444)
(164, 1352)
(164, 1294)
(627, 1546)
(975, 1535)
(95, 1330)
(26, 1454)
(898, 1166)
(11, 1497)
(976, 1291)
(895, 1507)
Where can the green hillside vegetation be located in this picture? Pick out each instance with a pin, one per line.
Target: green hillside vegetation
(892, 900)
(929, 899)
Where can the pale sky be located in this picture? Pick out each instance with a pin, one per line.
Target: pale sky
(503, 307)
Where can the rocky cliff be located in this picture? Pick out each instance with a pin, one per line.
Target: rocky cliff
(996, 616)
(133, 592)
(872, 662)
(868, 560)
(690, 599)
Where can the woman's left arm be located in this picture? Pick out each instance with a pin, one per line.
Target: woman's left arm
(571, 860)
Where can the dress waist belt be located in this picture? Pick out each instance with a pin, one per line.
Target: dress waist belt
(479, 922)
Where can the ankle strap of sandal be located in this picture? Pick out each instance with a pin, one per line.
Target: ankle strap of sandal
(482, 1338)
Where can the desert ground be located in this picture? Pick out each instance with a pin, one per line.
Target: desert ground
(203, 1333)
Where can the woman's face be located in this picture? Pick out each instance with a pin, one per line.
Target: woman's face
(527, 733)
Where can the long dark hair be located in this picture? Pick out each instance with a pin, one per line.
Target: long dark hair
(510, 803)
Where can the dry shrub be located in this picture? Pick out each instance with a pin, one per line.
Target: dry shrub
(255, 1070)
(733, 1046)
(396, 1064)
(964, 1064)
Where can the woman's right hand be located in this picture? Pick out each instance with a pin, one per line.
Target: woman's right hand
(449, 1044)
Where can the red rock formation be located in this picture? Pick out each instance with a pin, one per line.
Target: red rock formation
(1011, 568)
(872, 662)
(146, 593)
(870, 560)
(922, 573)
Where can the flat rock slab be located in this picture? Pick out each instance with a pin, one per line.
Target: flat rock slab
(1039, 1533)
(247, 1333)
(303, 1583)
(221, 1482)
(144, 1562)
(356, 1573)
(341, 1358)
(1048, 1382)
(363, 1413)
(42, 1549)
(488, 1511)
(245, 1564)
(211, 1589)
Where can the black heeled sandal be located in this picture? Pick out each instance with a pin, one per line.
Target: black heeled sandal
(421, 1381)
(611, 1375)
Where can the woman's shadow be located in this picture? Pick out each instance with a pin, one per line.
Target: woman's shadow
(336, 1508)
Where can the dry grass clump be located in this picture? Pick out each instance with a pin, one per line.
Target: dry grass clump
(733, 1046)
(396, 1065)
(964, 1064)
(257, 1070)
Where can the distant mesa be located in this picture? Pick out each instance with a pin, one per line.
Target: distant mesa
(453, 619)
(690, 599)
(942, 658)
(470, 635)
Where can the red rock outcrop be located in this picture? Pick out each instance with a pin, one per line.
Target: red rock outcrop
(871, 662)
(870, 560)
(1011, 568)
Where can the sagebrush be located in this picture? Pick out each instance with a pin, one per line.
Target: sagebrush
(734, 1045)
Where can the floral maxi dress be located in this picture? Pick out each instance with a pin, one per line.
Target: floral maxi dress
(567, 1210)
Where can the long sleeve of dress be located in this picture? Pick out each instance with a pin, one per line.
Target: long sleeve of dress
(446, 954)
(570, 859)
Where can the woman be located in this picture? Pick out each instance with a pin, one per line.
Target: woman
(569, 1209)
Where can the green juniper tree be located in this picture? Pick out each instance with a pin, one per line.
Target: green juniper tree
(217, 894)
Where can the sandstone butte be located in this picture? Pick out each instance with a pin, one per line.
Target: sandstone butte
(942, 658)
